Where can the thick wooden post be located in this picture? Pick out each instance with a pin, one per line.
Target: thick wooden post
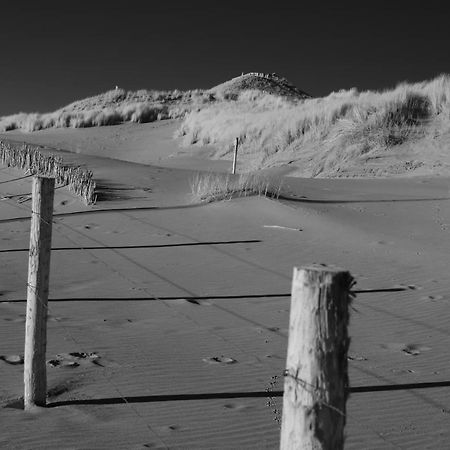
(236, 146)
(35, 375)
(316, 379)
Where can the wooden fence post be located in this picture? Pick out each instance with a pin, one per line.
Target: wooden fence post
(35, 375)
(236, 146)
(316, 379)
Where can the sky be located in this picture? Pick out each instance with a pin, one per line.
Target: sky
(53, 53)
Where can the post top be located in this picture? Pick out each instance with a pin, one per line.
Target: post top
(320, 267)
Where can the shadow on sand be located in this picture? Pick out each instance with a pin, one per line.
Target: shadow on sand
(125, 247)
(228, 395)
(195, 298)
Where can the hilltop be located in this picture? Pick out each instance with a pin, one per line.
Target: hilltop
(269, 83)
(118, 105)
(404, 130)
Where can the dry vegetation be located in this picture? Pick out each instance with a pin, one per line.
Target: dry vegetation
(323, 135)
(347, 133)
(118, 106)
(80, 181)
(111, 108)
(210, 187)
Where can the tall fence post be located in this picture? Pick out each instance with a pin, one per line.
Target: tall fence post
(236, 146)
(316, 378)
(35, 375)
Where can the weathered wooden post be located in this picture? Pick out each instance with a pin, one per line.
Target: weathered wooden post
(316, 379)
(236, 146)
(35, 375)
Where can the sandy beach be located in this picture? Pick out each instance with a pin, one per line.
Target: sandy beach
(168, 319)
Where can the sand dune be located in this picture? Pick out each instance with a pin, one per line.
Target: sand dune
(168, 321)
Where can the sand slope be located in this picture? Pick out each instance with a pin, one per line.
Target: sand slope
(168, 321)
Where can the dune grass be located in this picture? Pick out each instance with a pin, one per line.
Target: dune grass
(118, 106)
(130, 112)
(26, 157)
(328, 132)
(210, 187)
(110, 108)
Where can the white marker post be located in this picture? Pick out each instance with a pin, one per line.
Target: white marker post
(35, 375)
(236, 146)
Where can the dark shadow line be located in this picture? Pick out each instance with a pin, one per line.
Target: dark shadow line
(16, 179)
(191, 298)
(337, 202)
(374, 291)
(399, 387)
(109, 210)
(123, 247)
(145, 299)
(165, 398)
(228, 395)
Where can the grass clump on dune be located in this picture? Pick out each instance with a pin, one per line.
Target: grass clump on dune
(210, 187)
(323, 136)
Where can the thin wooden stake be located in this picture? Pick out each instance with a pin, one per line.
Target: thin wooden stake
(35, 375)
(316, 379)
(236, 146)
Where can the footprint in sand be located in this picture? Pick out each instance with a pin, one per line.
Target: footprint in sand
(408, 349)
(403, 371)
(12, 359)
(382, 243)
(90, 226)
(432, 298)
(237, 406)
(75, 359)
(222, 360)
(65, 202)
(20, 319)
(192, 301)
(271, 355)
(412, 349)
(412, 287)
(353, 357)
(169, 429)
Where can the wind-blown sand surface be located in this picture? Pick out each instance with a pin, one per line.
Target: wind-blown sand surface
(168, 321)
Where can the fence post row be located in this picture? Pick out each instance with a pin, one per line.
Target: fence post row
(316, 378)
(35, 376)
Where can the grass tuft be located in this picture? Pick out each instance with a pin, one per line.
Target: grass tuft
(210, 187)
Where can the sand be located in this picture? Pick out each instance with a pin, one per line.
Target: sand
(168, 320)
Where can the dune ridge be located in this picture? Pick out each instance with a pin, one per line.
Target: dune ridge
(347, 133)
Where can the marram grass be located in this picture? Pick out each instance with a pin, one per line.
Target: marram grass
(79, 181)
(210, 187)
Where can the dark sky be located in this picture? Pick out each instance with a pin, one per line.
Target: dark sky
(55, 52)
